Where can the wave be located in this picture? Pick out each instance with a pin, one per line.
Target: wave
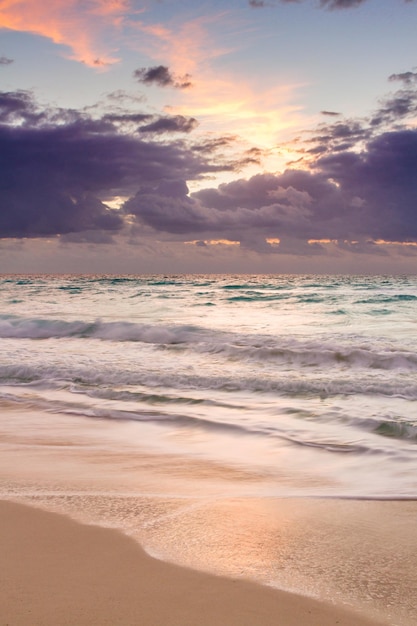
(161, 415)
(260, 348)
(239, 428)
(385, 299)
(13, 327)
(316, 356)
(397, 430)
(155, 398)
(256, 297)
(241, 287)
(61, 375)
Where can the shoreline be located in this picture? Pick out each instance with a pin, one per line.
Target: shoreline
(57, 572)
(357, 553)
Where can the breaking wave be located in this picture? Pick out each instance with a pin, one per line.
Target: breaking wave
(238, 347)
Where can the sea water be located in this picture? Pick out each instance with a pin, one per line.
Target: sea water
(230, 387)
(311, 379)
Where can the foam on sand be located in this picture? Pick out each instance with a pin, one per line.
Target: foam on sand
(55, 571)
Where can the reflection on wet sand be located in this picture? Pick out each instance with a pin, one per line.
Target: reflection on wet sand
(220, 518)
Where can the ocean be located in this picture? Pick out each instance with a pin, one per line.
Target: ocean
(208, 399)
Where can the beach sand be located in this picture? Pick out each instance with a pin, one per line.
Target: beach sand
(55, 571)
(61, 564)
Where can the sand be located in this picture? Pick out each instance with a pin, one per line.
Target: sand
(55, 571)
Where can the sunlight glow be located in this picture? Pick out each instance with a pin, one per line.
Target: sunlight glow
(212, 242)
(382, 242)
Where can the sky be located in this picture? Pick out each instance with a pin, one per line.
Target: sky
(244, 136)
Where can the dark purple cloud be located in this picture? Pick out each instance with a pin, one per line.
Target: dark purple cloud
(170, 124)
(5, 60)
(341, 4)
(327, 4)
(57, 166)
(395, 112)
(161, 76)
(342, 131)
(395, 109)
(348, 195)
(156, 124)
(336, 136)
(384, 177)
(17, 107)
(406, 77)
(295, 203)
(330, 113)
(167, 207)
(257, 4)
(215, 143)
(127, 118)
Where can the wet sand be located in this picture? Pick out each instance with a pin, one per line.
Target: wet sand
(55, 571)
(358, 555)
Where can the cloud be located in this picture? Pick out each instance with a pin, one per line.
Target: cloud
(257, 4)
(327, 4)
(170, 124)
(347, 196)
(127, 118)
(88, 236)
(396, 111)
(383, 177)
(263, 206)
(341, 4)
(17, 107)
(213, 144)
(86, 28)
(156, 124)
(161, 76)
(5, 60)
(167, 207)
(406, 77)
(337, 136)
(399, 106)
(121, 97)
(58, 166)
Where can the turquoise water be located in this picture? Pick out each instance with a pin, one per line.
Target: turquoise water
(307, 381)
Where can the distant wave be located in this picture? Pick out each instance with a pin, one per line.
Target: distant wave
(386, 299)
